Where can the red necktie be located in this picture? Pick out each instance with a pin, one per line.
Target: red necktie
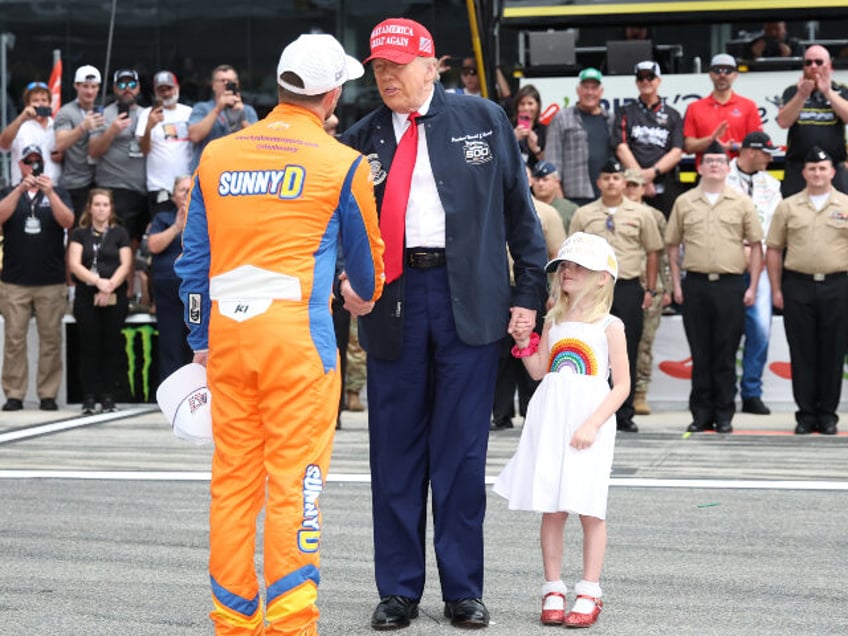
(396, 198)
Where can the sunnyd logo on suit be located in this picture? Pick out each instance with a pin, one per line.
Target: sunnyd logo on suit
(309, 535)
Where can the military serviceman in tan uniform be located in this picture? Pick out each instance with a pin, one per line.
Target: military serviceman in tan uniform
(633, 234)
(711, 221)
(634, 190)
(812, 226)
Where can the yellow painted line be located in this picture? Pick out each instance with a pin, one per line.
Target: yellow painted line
(691, 6)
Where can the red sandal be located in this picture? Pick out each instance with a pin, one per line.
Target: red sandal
(553, 616)
(578, 619)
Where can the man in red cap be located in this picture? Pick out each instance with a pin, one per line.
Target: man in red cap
(451, 191)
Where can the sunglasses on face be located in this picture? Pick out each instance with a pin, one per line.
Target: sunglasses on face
(650, 77)
(122, 86)
(32, 85)
(29, 162)
(722, 70)
(817, 62)
(469, 70)
(715, 160)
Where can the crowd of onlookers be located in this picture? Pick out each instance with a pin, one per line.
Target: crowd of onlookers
(98, 197)
(587, 163)
(94, 212)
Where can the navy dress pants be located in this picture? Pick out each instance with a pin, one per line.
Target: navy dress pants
(428, 415)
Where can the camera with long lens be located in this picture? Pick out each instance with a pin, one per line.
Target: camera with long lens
(37, 168)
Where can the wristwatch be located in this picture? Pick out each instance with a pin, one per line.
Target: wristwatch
(652, 292)
(657, 172)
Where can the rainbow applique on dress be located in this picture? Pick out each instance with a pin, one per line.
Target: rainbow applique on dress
(574, 354)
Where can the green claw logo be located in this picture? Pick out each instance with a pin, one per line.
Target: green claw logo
(146, 332)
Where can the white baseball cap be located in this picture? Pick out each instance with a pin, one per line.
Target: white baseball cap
(186, 401)
(589, 250)
(320, 62)
(87, 73)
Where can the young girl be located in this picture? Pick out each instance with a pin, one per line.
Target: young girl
(564, 458)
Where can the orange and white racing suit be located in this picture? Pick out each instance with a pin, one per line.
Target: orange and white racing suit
(269, 207)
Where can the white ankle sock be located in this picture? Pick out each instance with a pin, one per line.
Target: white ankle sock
(554, 602)
(589, 588)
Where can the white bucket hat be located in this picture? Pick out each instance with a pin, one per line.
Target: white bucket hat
(187, 403)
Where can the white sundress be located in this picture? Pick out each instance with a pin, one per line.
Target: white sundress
(546, 474)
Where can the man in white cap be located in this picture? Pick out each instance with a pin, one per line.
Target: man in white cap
(648, 135)
(74, 123)
(721, 116)
(162, 132)
(268, 210)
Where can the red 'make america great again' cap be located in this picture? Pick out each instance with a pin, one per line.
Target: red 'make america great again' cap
(400, 41)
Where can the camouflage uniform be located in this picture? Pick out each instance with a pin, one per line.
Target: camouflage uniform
(652, 315)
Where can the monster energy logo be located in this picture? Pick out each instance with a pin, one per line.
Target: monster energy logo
(146, 332)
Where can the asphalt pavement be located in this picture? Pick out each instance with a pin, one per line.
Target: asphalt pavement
(104, 532)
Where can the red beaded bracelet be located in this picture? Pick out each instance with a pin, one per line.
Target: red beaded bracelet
(529, 350)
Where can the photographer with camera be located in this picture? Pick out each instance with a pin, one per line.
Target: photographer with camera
(34, 126)
(163, 134)
(34, 215)
(73, 126)
(120, 161)
(225, 113)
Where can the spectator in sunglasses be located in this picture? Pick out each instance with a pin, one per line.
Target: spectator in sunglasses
(721, 116)
(815, 110)
(121, 165)
(33, 127)
(648, 135)
(471, 79)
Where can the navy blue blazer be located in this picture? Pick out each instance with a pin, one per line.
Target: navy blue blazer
(483, 188)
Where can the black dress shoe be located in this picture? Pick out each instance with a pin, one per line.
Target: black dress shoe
(755, 405)
(500, 424)
(468, 612)
(828, 428)
(723, 427)
(802, 428)
(48, 404)
(628, 426)
(696, 427)
(88, 405)
(13, 404)
(394, 612)
(108, 404)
